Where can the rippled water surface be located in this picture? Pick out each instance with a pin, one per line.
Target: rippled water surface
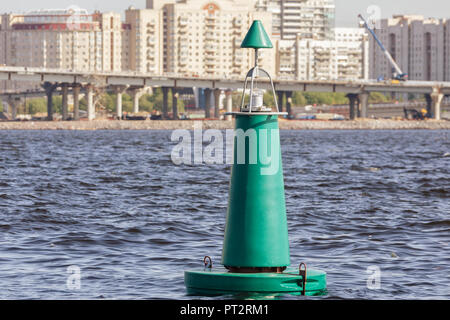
(113, 204)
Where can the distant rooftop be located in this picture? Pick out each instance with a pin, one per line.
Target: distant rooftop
(50, 12)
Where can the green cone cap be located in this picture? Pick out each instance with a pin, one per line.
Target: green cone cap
(256, 233)
(256, 37)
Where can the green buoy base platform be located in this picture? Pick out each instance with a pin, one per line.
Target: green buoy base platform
(218, 281)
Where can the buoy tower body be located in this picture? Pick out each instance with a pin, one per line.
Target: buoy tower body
(256, 246)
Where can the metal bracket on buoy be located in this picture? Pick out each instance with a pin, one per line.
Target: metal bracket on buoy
(302, 273)
(207, 259)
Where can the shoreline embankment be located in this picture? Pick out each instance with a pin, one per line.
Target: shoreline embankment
(363, 124)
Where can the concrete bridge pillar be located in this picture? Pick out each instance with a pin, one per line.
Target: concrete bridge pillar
(429, 102)
(49, 105)
(437, 98)
(76, 102)
(90, 102)
(175, 103)
(65, 101)
(217, 93)
(12, 102)
(229, 104)
(49, 89)
(353, 99)
(13, 110)
(280, 100)
(119, 112)
(289, 104)
(364, 100)
(119, 91)
(136, 94)
(208, 93)
(5, 107)
(136, 97)
(165, 106)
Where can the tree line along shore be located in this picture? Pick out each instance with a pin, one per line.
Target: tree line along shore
(153, 103)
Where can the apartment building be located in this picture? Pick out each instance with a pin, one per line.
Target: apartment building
(203, 37)
(68, 39)
(188, 37)
(311, 19)
(143, 40)
(419, 45)
(343, 58)
(352, 53)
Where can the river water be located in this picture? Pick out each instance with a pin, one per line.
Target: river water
(113, 206)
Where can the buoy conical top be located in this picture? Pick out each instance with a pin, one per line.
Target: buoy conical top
(256, 37)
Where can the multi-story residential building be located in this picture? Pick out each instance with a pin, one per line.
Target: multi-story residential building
(418, 45)
(144, 40)
(343, 58)
(62, 39)
(286, 59)
(69, 39)
(203, 37)
(188, 37)
(352, 53)
(311, 19)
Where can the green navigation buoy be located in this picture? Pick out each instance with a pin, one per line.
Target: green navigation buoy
(255, 253)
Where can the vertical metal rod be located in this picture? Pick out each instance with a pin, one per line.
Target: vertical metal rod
(251, 89)
(243, 93)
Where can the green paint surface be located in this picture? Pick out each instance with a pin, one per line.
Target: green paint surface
(256, 232)
(257, 37)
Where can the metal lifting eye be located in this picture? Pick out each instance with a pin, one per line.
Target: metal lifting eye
(302, 273)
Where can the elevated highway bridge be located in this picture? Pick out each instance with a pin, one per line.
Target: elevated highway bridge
(72, 82)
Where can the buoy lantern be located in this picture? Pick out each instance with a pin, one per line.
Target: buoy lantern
(255, 255)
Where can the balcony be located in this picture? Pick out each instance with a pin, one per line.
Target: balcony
(237, 22)
(150, 41)
(237, 31)
(183, 61)
(210, 48)
(183, 42)
(210, 36)
(237, 64)
(183, 22)
(211, 65)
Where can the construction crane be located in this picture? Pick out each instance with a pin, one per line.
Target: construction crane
(398, 74)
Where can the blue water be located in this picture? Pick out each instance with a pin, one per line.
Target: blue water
(113, 204)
